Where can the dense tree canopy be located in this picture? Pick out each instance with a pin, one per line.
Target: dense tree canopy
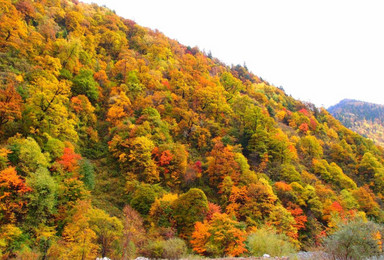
(117, 141)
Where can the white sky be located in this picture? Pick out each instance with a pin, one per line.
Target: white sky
(318, 51)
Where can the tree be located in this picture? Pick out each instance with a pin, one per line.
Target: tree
(210, 99)
(71, 190)
(84, 109)
(212, 209)
(12, 29)
(45, 236)
(348, 201)
(253, 203)
(54, 147)
(72, 20)
(78, 240)
(112, 42)
(280, 149)
(304, 128)
(69, 160)
(133, 232)
(42, 199)
(135, 157)
(142, 198)
(355, 240)
(120, 106)
(4, 161)
(333, 174)
(109, 230)
(46, 107)
(366, 200)
(299, 216)
(84, 84)
(368, 166)
(200, 238)
(310, 148)
(221, 164)
(161, 212)
(165, 128)
(289, 173)
(189, 208)
(26, 154)
(283, 221)
(12, 190)
(342, 154)
(68, 51)
(134, 85)
(231, 84)
(237, 201)
(171, 160)
(10, 104)
(153, 126)
(10, 240)
(219, 236)
(311, 199)
(87, 173)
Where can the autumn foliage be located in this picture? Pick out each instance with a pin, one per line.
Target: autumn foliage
(219, 236)
(12, 191)
(116, 141)
(10, 104)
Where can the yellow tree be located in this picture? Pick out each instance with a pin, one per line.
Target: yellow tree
(12, 28)
(108, 230)
(135, 157)
(78, 239)
(119, 105)
(84, 109)
(284, 222)
(47, 107)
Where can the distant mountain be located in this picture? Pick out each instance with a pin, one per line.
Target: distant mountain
(362, 117)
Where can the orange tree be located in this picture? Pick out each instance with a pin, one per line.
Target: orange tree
(221, 235)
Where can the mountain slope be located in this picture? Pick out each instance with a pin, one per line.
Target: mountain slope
(364, 118)
(118, 141)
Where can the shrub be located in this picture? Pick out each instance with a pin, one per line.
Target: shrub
(266, 241)
(154, 249)
(174, 248)
(355, 240)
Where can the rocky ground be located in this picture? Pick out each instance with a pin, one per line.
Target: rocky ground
(298, 256)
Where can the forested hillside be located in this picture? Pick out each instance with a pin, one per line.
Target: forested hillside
(362, 117)
(118, 141)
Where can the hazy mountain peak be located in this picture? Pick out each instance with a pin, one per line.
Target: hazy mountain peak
(362, 117)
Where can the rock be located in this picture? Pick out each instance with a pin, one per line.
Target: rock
(266, 256)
